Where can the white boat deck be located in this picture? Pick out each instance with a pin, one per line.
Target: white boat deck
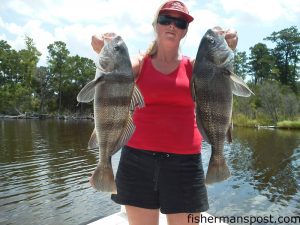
(120, 218)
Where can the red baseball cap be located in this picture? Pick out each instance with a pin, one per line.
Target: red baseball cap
(176, 6)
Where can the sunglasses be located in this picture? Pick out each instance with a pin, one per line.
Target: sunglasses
(167, 20)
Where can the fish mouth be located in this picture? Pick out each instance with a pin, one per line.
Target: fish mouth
(220, 59)
(220, 56)
(226, 57)
(104, 64)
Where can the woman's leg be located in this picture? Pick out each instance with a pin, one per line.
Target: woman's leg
(183, 218)
(139, 216)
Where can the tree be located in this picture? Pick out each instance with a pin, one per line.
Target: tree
(9, 64)
(5, 49)
(290, 103)
(17, 70)
(286, 54)
(261, 63)
(43, 89)
(79, 72)
(58, 55)
(9, 67)
(240, 65)
(271, 100)
(29, 59)
(290, 106)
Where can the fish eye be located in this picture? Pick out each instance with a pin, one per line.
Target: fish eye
(211, 40)
(117, 48)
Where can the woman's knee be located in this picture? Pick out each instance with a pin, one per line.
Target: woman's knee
(138, 216)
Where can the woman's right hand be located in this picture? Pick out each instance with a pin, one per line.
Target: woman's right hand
(98, 41)
(230, 36)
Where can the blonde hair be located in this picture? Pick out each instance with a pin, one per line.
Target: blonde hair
(152, 49)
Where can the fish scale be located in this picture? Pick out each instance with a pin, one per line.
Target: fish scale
(115, 97)
(213, 84)
(115, 108)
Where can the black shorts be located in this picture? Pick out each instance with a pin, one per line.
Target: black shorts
(170, 182)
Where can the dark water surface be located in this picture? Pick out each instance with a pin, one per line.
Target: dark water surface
(44, 170)
(265, 181)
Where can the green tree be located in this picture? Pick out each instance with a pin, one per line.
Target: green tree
(57, 59)
(286, 53)
(290, 103)
(240, 65)
(261, 63)
(291, 106)
(9, 64)
(5, 50)
(7, 54)
(29, 59)
(271, 99)
(16, 91)
(43, 89)
(79, 72)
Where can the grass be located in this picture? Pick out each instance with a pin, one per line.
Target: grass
(243, 121)
(286, 124)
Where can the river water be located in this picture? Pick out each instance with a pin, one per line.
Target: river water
(44, 170)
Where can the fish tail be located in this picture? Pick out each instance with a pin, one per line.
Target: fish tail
(217, 170)
(103, 179)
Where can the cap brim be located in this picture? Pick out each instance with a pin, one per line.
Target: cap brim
(185, 16)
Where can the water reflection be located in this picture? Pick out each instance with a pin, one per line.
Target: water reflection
(44, 172)
(45, 168)
(267, 159)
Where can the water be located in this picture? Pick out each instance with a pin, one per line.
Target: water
(44, 170)
(44, 174)
(265, 167)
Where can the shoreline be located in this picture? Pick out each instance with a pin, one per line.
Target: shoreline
(35, 116)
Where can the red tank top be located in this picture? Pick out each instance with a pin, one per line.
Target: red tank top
(167, 123)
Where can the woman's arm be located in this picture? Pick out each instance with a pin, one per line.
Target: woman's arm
(137, 64)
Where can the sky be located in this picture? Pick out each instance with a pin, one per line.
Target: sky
(74, 22)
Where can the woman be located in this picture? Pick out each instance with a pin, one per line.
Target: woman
(160, 167)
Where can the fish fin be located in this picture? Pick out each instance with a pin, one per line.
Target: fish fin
(126, 135)
(93, 142)
(137, 99)
(229, 133)
(217, 170)
(239, 87)
(88, 91)
(103, 178)
(202, 132)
